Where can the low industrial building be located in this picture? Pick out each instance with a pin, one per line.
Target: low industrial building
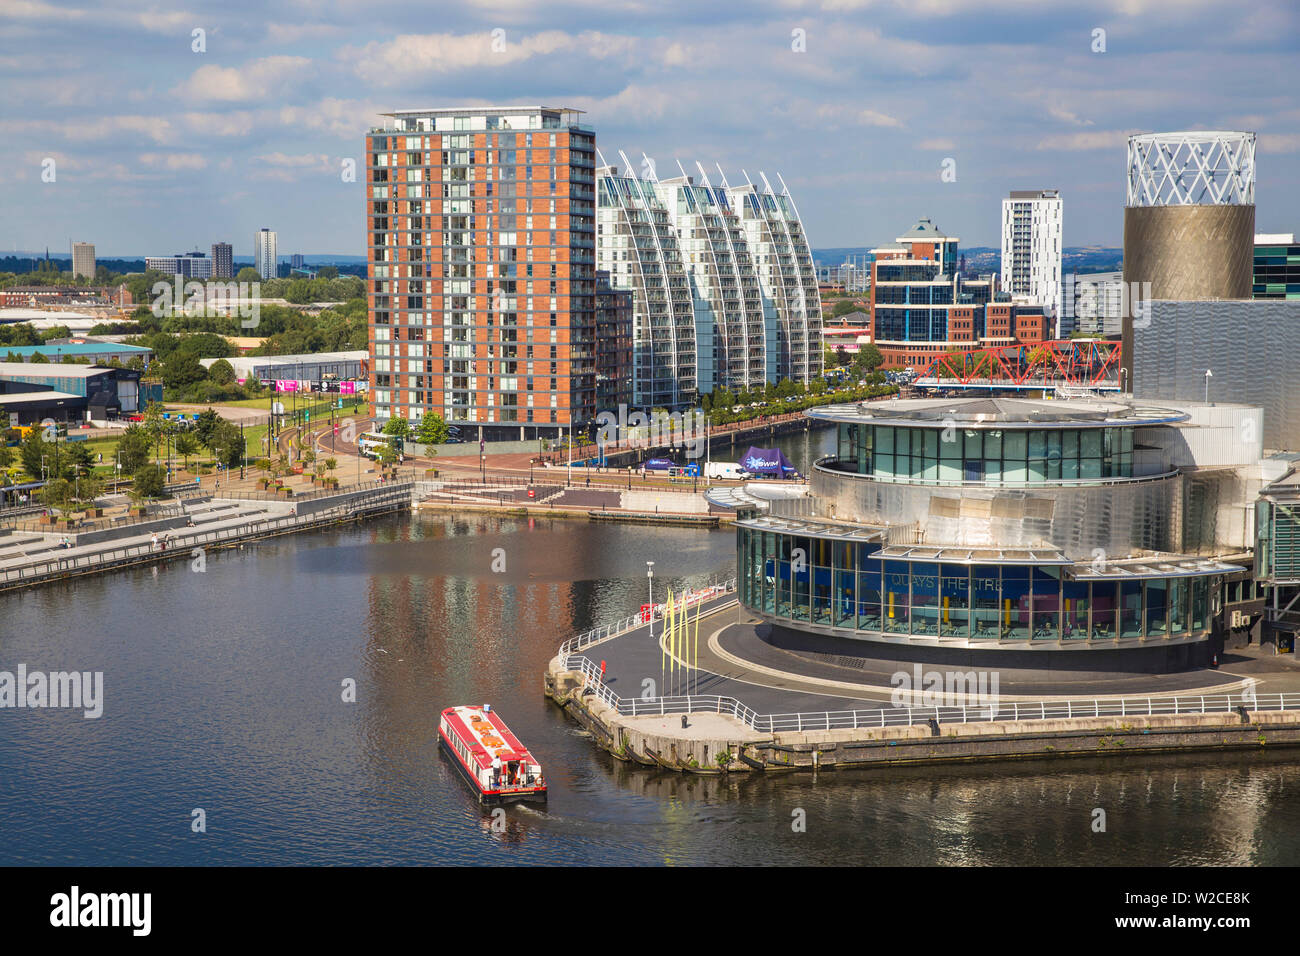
(314, 368)
(97, 353)
(102, 393)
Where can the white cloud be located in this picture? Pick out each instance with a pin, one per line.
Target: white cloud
(1100, 139)
(872, 118)
(172, 162)
(258, 79)
(409, 56)
(1279, 142)
(936, 144)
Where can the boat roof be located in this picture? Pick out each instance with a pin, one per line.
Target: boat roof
(486, 734)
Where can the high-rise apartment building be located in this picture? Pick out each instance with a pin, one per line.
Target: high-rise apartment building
(1031, 250)
(296, 262)
(482, 284)
(264, 257)
(613, 345)
(83, 260)
(223, 261)
(724, 289)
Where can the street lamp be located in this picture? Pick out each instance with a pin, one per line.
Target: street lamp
(650, 593)
(1123, 375)
(1208, 375)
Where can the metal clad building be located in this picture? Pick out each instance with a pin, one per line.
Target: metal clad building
(1248, 345)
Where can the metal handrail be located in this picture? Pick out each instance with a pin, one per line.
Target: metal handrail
(606, 631)
(906, 716)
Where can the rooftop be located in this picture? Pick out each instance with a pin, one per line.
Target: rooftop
(50, 369)
(924, 230)
(997, 412)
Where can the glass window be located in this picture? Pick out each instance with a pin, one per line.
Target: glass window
(1103, 610)
(1130, 609)
(954, 600)
(986, 589)
(1015, 603)
(884, 439)
(769, 571)
(845, 603)
(895, 593)
(925, 600)
(801, 578)
(868, 592)
(1047, 604)
(1074, 610)
(1014, 447)
(1157, 607)
(1178, 595)
(821, 581)
(1200, 602)
(783, 578)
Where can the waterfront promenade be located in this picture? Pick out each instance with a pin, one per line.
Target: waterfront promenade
(765, 708)
(177, 529)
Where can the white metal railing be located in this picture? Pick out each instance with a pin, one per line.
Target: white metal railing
(905, 716)
(633, 621)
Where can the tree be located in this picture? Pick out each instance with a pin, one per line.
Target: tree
(38, 359)
(33, 449)
(399, 427)
(133, 449)
(182, 369)
(844, 307)
(79, 458)
(248, 274)
(88, 488)
(206, 426)
(186, 445)
(56, 493)
(6, 456)
(299, 292)
(222, 372)
(227, 444)
(148, 482)
(869, 357)
(432, 430)
(386, 454)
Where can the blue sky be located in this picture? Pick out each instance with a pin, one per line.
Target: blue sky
(161, 149)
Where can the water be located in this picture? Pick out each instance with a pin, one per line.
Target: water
(223, 692)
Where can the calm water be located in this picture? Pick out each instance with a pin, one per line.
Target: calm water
(223, 692)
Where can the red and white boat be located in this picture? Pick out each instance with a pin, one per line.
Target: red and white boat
(498, 766)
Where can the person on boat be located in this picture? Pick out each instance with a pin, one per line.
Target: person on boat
(496, 772)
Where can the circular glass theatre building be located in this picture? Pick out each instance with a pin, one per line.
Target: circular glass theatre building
(987, 524)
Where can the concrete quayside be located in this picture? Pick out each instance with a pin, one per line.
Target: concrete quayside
(708, 734)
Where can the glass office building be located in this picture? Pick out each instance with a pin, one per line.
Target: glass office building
(989, 524)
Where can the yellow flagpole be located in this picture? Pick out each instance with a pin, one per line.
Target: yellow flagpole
(669, 638)
(696, 655)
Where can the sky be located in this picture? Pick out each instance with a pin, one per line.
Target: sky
(124, 127)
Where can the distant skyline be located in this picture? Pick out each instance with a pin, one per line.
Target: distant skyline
(160, 149)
